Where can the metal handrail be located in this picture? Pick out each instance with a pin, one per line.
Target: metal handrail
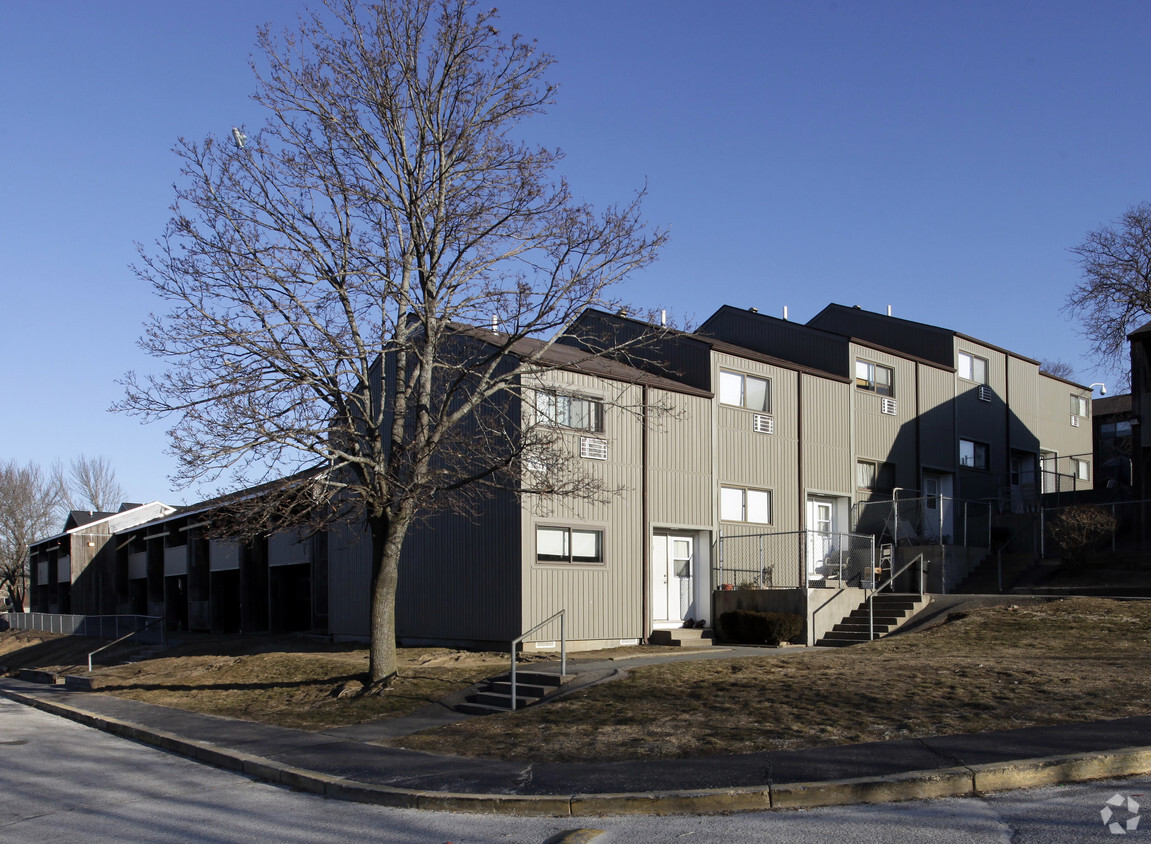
(871, 595)
(563, 650)
(155, 621)
(829, 602)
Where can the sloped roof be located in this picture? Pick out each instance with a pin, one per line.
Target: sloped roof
(1111, 404)
(725, 347)
(575, 359)
(1141, 331)
(77, 518)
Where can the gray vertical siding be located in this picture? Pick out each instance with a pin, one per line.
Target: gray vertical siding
(602, 601)
(1023, 403)
(884, 437)
(349, 578)
(937, 439)
(679, 457)
(478, 554)
(983, 421)
(826, 436)
(761, 461)
(1054, 418)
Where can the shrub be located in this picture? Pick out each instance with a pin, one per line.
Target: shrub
(757, 628)
(1077, 531)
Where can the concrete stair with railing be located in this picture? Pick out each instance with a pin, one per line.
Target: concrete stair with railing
(892, 610)
(985, 578)
(495, 694)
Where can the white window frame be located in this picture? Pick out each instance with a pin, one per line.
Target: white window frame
(569, 537)
(731, 383)
(1080, 406)
(866, 373)
(561, 409)
(969, 371)
(732, 498)
(975, 446)
(877, 467)
(1081, 469)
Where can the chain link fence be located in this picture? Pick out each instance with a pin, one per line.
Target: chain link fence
(927, 520)
(95, 626)
(1067, 474)
(793, 560)
(1118, 527)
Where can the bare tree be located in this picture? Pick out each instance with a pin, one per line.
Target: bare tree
(88, 483)
(326, 275)
(1058, 368)
(27, 513)
(1114, 296)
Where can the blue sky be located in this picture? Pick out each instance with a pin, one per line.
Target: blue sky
(938, 157)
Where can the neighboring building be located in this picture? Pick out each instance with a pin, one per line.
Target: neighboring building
(758, 461)
(74, 568)
(1111, 432)
(1140, 411)
(966, 418)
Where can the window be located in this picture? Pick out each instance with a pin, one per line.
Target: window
(875, 475)
(875, 378)
(569, 545)
(973, 455)
(744, 391)
(972, 368)
(1081, 468)
(577, 412)
(744, 505)
(1080, 406)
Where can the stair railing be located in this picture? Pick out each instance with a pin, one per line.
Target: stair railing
(891, 579)
(152, 623)
(563, 650)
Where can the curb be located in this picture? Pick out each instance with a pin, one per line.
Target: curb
(960, 781)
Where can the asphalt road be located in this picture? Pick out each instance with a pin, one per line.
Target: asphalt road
(60, 781)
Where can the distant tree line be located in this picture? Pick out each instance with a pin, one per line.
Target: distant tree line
(35, 502)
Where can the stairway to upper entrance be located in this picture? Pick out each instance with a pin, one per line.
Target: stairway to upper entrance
(892, 610)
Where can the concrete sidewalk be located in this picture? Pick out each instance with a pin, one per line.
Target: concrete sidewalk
(345, 764)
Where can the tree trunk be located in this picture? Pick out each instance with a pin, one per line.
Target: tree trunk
(387, 542)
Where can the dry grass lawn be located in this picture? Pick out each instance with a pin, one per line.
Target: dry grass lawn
(990, 668)
(993, 668)
(290, 681)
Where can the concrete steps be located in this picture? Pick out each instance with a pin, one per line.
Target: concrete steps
(891, 611)
(984, 578)
(144, 654)
(683, 637)
(495, 694)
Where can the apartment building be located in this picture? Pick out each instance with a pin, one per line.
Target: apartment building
(754, 456)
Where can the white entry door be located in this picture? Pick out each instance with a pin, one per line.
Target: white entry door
(938, 506)
(672, 577)
(821, 538)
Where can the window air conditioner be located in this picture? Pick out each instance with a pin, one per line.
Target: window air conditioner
(593, 448)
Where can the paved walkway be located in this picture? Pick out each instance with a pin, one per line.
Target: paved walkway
(348, 763)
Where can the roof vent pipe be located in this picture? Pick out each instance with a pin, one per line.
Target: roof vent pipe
(785, 312)
(663, 317)
(495, 324)
(889, 310)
